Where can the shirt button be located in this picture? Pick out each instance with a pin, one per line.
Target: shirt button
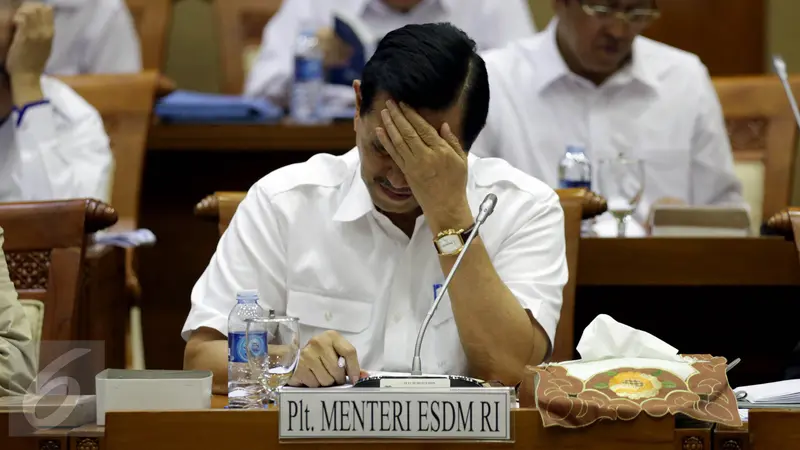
(328, 316)
(397, 318)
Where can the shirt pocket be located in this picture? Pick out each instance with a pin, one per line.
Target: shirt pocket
(318, 313)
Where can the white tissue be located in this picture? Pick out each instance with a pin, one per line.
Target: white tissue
(606, 338)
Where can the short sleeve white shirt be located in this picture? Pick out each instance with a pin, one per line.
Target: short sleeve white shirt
(661, 108)
(308, 237)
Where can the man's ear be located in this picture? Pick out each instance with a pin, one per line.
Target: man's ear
(357, 91)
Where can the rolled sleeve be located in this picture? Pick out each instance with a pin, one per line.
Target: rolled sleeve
(532, 262)
(250, 255)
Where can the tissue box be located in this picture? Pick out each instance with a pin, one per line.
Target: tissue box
(151, 390)
(576, 394)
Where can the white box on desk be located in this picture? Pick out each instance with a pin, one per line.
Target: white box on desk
(152, 390)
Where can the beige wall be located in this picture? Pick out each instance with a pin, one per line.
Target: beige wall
(193, 55)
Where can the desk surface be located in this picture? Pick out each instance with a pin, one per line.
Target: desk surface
(309, 139)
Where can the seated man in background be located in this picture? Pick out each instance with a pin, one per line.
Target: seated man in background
(17, 364)
(491, 23)
(354, 245)
(590, 80)
(94, 36)
(52, 143)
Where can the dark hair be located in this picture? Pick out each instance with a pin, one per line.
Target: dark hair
(430, 66)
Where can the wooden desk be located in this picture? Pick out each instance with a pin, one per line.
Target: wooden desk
(257, 138)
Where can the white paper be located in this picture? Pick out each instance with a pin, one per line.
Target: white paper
(787, 391)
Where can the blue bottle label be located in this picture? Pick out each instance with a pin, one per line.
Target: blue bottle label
(308, 69)
(568, 184)
(237, 352)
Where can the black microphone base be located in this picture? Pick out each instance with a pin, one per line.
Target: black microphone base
(455, 381)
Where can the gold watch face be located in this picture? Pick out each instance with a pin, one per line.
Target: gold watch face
(450, 244)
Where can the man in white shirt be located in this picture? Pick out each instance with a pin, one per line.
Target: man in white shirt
(94, 36)
(52, 143)
(355, 246)
(491, 23)
(590, 80)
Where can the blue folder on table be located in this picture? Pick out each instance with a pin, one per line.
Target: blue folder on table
(197, 107)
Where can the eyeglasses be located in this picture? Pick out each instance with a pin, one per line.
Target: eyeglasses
(633, 17)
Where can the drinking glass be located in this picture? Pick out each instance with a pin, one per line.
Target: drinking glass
(273, 350)
(621, 181)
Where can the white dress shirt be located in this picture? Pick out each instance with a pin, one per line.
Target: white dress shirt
(308, 237)
(54, 150)
(491, 23)
(661, 108)
(93, 36)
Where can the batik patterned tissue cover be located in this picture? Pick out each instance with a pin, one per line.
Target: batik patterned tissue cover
(577, 394)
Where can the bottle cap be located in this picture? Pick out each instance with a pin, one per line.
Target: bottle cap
(575, 149)
(247, 296)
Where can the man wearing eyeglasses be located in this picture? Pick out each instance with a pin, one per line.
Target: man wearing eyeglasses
(590, 80)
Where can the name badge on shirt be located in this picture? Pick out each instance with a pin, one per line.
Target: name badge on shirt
(436, 288)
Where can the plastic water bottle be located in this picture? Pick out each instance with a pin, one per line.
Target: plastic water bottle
(243, 388)
(309, 80)
(574, 169)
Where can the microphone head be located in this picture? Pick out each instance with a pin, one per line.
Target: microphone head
(779, 65)
(487, 207)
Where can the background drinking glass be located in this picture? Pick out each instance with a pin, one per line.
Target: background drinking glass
(621, 181)
(273, 349)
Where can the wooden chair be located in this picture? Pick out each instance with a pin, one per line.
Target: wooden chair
(764, 136)
(578, 204)
(45, 246)
(241, 26)
(152, 18)
(125, 101)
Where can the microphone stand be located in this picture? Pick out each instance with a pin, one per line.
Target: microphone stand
(780, 69)
(416, 364)
(486, 209)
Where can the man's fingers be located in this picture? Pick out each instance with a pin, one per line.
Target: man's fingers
(331, 362)
(405, 129)
(399, 142)
(424, 130)
(303, 376)
(450, 137)
(383, 137)
(346, 349)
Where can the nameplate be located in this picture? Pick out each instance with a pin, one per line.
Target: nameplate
(482, 414)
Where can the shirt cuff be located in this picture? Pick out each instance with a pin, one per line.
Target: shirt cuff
(35, 123)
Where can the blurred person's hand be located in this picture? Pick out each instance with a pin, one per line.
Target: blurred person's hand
(29, 50)
(336, 53)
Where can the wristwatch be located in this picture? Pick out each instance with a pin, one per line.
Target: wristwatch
(451, 242)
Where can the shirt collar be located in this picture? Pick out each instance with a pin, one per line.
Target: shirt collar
(447, 6)
(357, 202)
(554, 67)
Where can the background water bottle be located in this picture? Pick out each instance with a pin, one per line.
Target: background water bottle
(575, 170)
(243, 389)
(309, 80)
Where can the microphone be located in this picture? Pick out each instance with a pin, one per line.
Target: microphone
(780, 69)
(486, 209)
